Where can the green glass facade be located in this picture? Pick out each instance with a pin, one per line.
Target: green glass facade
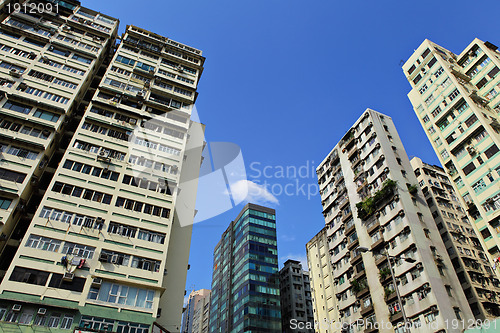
(245, 284)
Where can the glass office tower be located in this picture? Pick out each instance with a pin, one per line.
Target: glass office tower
(245, 284)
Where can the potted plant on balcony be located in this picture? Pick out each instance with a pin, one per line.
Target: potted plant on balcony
(383, 273)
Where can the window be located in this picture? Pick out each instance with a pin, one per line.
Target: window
(121, 294)
(67, 322)
(479, 186)
(471, 120)
(27, 275)
(54, 320)
(429, 99)
(46, 115)
(18, 107)
(26, 317)
(469, 168)
(82, 251)
(81, 59)
(125, 61)
(490, 152)
(453, 95)
(43, 243)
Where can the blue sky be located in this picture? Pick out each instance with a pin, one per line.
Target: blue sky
(285, 79)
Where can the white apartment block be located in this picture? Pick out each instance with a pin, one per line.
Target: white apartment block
(369, 203)
(108, 246)
(455, 97)
(470, 260)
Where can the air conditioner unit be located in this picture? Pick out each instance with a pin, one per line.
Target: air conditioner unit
(16, 307)
(140, 94)
(114, 259)
(103, 153)
(41, 311)
(99, 220)
(149, 109)
(15, 73)
(132, 121)
(68, 276)
(96, 282)
(419, 266)
(434, 308)
(103, 257)
(45, 59)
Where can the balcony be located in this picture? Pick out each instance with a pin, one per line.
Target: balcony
(396, 316)
(361, 185)
(349, 228)
(356, 259)
(367, 207)
(352, 152)
(373, 227)
(378, 243)
(353, 244)
(366, 310)
(380, 259)
(347, 216)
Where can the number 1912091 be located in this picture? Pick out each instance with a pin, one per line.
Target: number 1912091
(32, 8)
(469, 324)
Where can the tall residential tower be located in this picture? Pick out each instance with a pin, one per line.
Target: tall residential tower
(370, 205)
(469, 258)
(455, 97)
(107, 247)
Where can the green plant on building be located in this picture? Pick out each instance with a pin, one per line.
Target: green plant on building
(384, 272)
(413, 189)
(357, 286)
(387, 292)
(367, 207)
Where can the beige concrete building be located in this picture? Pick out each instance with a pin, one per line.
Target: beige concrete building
(369, 203)
(455, 97)
(321, 281)
(47, 63)
(469, 258)
(197, 313)
(108, 245)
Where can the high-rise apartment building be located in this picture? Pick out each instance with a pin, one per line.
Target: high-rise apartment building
(196, 314)
(47, 63)
(296, 300)
(321, 280)
(469, 258)
(455, 97)
(370, 205)
(105, 248)
(245, 284)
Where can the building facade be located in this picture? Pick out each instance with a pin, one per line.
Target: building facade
(469, 258)
(455, 97)
(296, 298)
(196, 315)
(245, 283)
(365, 185)
(105, 248)
(321, 280)
(47, 64)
